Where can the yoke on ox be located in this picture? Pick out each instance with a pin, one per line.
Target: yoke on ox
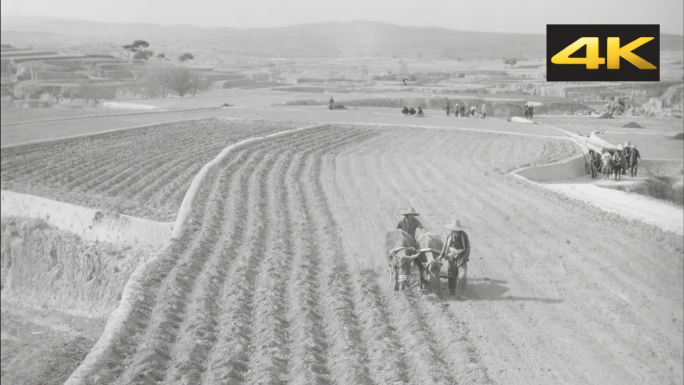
(400, 248)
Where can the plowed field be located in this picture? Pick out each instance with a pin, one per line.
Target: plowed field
(280, 275)
(143, 172)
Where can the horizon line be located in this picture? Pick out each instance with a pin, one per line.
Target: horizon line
(276, 27)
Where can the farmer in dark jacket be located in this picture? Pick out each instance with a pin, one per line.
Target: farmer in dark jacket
(410, 223)
(331, 103)
(634, 157)
(457, 251)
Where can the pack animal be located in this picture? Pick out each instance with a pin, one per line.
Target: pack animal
(595, 164)
(400, 248)
(430, 245)
(617, 165)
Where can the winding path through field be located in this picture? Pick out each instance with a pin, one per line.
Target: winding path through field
(280, 275)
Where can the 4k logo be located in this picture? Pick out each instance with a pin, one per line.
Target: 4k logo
(603, 52)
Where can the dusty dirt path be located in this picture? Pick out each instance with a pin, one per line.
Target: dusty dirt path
(280, 276)
(33, 131)
(560, 292)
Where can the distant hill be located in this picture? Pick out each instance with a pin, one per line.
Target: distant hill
(311, 40)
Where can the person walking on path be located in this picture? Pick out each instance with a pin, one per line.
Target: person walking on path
(456, 110)
(484, 111)
(634, 157)
(448, 108)
(331, 103)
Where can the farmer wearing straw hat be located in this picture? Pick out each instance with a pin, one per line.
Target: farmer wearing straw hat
(456, 250)
(410, 223)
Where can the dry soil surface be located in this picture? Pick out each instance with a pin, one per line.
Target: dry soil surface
(37, 130)
(281, 276)
(41, 346)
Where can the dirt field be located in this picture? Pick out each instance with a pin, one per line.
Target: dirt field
(280, 276)
(14, 134)
(143, 173)
(44, 346)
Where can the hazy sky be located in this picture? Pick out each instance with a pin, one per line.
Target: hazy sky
(525, 16)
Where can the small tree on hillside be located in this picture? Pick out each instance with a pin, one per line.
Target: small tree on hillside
(156, 81)
(142, 55)
(135, 47)
(161, 56)
(512, 61)
(180, 80)
(198, 83)
(185, 57)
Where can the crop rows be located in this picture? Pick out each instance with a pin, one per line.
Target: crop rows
(142, 172)
(261, 288)
(253, 291)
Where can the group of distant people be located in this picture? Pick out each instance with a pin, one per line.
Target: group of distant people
(460, 111)
(412, 111)
(465, 111)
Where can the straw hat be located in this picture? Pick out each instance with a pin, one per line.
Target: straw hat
(619, 147)
(455, 225)
(410, 211)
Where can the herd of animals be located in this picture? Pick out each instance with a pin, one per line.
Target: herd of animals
(624, 158)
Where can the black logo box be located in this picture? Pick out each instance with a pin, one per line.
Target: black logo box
(559, 36)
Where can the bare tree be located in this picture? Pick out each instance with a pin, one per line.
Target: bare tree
(156, 81)
(199, 84)
(180, 80)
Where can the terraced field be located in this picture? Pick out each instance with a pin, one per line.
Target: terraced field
(143, 173)
(280, 276)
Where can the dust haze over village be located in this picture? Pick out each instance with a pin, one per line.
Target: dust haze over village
(315, 193)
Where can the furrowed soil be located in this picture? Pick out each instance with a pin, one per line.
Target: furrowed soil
(143, 172)
(280, 275)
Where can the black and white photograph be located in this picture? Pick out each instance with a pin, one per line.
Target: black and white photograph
(330, 193)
